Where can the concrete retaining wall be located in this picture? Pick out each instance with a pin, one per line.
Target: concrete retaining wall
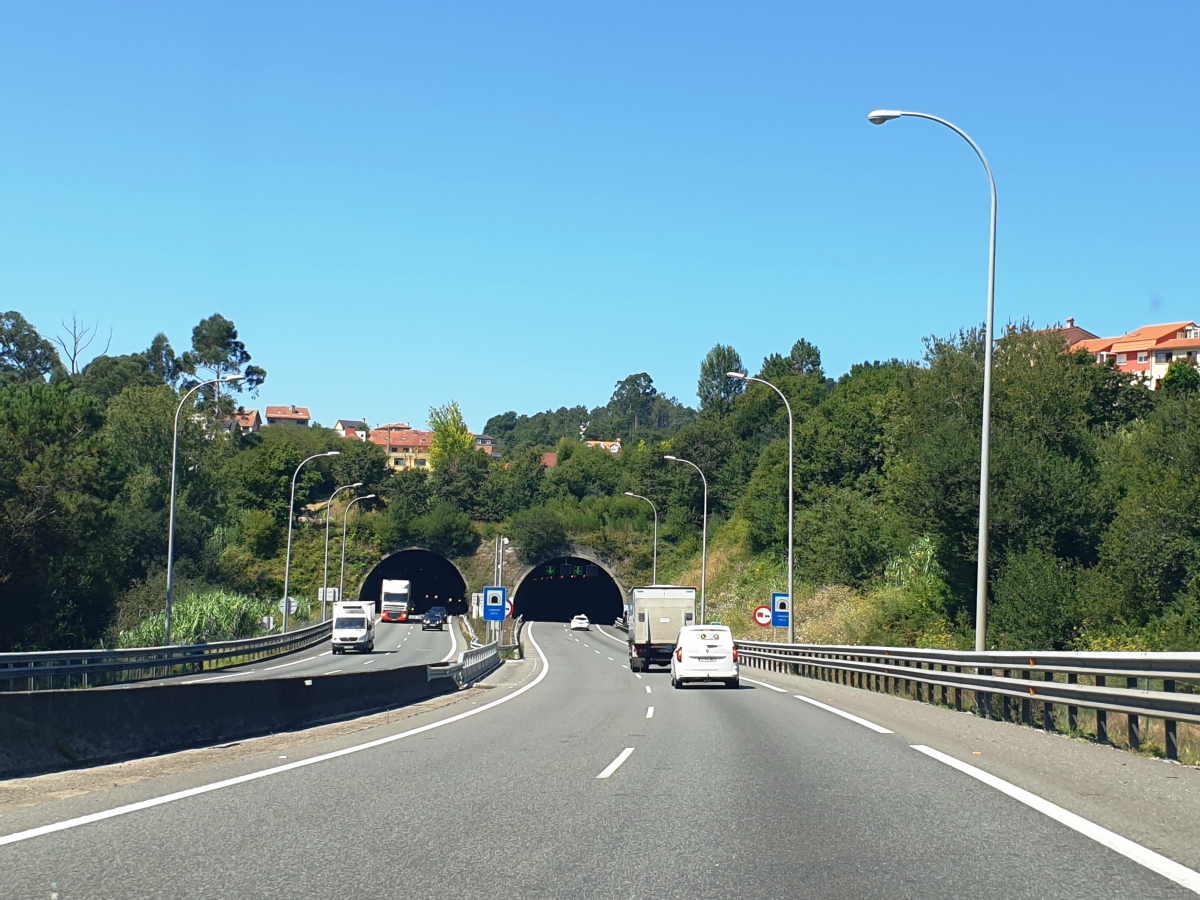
(43, 731)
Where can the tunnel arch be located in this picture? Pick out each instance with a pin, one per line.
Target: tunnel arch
(560, 587)
(436, 580)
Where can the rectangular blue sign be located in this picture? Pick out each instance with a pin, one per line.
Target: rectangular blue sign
(781, 609)
(493, 603)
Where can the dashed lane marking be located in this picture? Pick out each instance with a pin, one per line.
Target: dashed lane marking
(650, 712)
(616, 763)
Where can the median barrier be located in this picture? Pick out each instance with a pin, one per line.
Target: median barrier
(43, 731)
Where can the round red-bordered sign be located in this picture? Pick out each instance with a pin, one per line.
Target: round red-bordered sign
(762, 616)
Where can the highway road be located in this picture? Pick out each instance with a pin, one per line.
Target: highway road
(576, 779)
(397, 644)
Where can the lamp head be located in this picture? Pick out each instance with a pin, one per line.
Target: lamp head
(740, 376)
(879, 116)
(670, 458)
(356, 484)
(228, 378)
(630, 494)
(333, 453)
(367, 497)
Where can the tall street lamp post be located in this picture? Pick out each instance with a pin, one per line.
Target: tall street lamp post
(654, 576)
(703, 536)
(791, 504)
(325, 577)
(345, 523)
(287, 565)
(171, 517)
(878, 117)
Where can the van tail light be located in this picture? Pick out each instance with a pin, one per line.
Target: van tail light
(679, 654)
(735, 659)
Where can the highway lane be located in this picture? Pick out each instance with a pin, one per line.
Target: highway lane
(397, 644)
(718, 793)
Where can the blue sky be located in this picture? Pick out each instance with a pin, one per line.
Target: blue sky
(516, 205)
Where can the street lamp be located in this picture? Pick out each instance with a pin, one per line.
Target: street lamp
(654, 576)
(878, 117)
(325, 578)
(345, 523)
(171, 517)
(742, 376)
(287, 565)
(703, 535)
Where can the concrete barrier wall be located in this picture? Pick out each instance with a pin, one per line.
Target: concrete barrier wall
(43, 731)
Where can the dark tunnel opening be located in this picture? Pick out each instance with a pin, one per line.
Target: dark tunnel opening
(435, 581)
(560, 588)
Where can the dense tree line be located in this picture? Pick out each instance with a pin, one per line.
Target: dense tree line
(1094, 539)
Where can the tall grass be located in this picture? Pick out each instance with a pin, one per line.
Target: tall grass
(200, 619)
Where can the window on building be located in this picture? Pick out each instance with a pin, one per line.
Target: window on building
(1120, 359)
(421, 462)
(1192, 333)
(1162, 356)
(1143, 357)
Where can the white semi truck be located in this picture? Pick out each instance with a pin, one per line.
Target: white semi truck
(655, 614)
(395, 601)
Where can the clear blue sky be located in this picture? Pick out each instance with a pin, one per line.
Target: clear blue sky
(516, 205)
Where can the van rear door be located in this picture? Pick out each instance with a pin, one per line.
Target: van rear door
(708, 650)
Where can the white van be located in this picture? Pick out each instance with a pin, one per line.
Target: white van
(705, 653)
(353, 627)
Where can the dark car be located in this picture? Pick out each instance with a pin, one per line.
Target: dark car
(434, 618)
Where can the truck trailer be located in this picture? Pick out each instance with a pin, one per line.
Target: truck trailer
(395, 601)
(655, 614)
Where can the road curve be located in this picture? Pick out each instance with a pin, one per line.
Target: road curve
(577, 789)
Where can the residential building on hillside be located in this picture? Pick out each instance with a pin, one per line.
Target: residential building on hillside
(613, 447)
(406, 447)
(550, 459)
(247, 421)
(486, 443)
(355, 429)
(1147, 352)
(288, 415)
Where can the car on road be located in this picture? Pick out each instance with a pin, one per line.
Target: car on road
(435, 617)
(581, 623)
(705, 653)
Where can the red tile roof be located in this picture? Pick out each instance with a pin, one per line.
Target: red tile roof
(296, 413)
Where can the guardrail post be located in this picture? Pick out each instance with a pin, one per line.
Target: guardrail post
(1169, 724)
(1006, 701)
(958, 692)
(1101, 717)
(1135, 725)
(1047, 707)
(983, 700)
(1072, 711)
(1026, 706)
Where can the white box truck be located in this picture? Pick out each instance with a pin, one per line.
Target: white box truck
(655, 614)
(353, 627)
(394, 602)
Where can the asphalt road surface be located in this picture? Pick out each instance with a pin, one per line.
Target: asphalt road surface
(568, 785)
(397, 644)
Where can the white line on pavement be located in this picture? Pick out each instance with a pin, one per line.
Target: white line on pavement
(334, 672)
(597, 652)
(326, 653)
(616, 763)
(285, 665)
(623, 666)
(637, 676)
(764, 684)
(1155, 862)
(368, 662)
(254, 776)
(650, 712)
(845, 715)
(611, 638)
(219, 677)
(610, 659)
(647, 689)
(453, 640)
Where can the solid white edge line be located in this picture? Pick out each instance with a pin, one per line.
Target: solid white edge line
(845, 715)
(612, 637)
(616, 763)
(275, 770)
(1155, 862)
(650, 713)
(764, 684)
(453, 641)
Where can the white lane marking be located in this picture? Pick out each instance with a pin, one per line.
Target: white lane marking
(1155, 862)
(253, 776)
(650, 712)
(285, 665)
(334, 672)
(647, 689)
(637, 676)
(764, 684)
(453, 641)
(597, 652)
(219, 677)
(368, 662)
(623, 666)
(610, 659)
(616, 763)
(623, 643)
(326, 653)
(587, 645)
(845, 715)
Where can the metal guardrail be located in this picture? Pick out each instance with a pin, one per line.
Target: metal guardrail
(515, 643)
(470, 630)
(470, 666)
(95, 668)
(621, 625)
(1157, 685)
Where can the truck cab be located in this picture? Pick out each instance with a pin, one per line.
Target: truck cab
(353, 627)
(395, 600)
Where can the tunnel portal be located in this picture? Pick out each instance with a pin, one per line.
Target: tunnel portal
(558, 589)
(435, 581)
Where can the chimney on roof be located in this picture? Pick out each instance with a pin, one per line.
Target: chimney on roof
(1070, 321)
(293, 408)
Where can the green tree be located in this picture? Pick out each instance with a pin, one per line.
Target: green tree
(25, 356)
(1181, 379)
(451, 437)
(537, 532)
(217, 352)
(715, 389)
(447, 531)
(1035, 603)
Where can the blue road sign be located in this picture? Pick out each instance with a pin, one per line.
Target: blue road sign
(493, 603)
(780, 610)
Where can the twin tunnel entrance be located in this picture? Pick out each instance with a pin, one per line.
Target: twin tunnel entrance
(552, 591)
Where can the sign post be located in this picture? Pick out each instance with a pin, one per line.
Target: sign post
(780, 610)
(328, 595)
